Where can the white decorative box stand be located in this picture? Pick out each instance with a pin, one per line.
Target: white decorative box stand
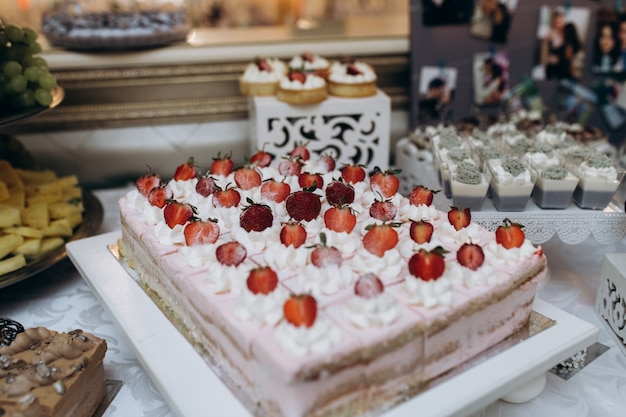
(611, 297)
(351, 129)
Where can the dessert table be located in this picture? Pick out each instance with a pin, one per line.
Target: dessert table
(59, 298)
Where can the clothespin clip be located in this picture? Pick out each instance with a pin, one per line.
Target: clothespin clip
(442, 66)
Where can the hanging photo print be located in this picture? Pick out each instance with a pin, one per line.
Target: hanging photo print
(576, 102)
(436, 89)
(560, 43)
(608, 94)
(491, 20)
(491, 78)
(609, 43)
(446, 12)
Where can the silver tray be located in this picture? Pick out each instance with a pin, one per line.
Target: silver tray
(91, 223)
(58, 94)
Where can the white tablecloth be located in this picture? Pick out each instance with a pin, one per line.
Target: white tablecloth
(59, 298)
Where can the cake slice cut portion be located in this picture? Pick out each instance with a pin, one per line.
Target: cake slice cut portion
(50, 374)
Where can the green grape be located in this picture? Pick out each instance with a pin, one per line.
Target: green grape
(43, 97)
(30, 35)
(12, 68)
(33, 48)
(14, 33)
(27, 98)
(18, 83)
(47, 81)
(32, 74)
(40, 62)
(3, 39)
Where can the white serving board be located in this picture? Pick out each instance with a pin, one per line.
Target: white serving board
(188, 384)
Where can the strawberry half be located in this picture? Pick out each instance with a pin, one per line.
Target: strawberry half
(186, 171)
(368, 286)
(308, 180)
(340, 218)
(226, 198)
(247, 178)
(428, 265)
(158, 196)
(459, 217)
(339, 192)
(300, 310)
(292, 233)
(261, 158)
(351, 69)
(421, 231)
(206, 185)
(323, 255)
(222, 165)
(297, 76)
(383, 210)
(199, 232)
(385, 183)
(147, 182)
(231, 253)
(262, 280)
(290, 166)
(353, 173)
(301, 151)
(303, 205)
(380, 238)
(471, 256)
(263, 65)
(276, 191)
(422, 195)
(256, 217)
(326, 163)
(510, 235)
(177, 213)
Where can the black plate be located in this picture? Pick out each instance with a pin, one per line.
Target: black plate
(91, 222)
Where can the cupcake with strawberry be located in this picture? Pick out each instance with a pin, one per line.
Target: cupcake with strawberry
(299, 87)
(351, 78)
(310, 64)
(261, 77)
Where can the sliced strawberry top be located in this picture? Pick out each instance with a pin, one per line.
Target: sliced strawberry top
(262, 280)
(300, 310)
(290, 166)
(307, 56)
(297, 76)
(147, 182)
(277, 191)
(303, 205)
(351, 69)
(263, 65)
(231, 253)
(510, 235)
(206, 186)
(307, 180)
(261, 159)
(201, 232)
(324, 256)
(421, 231)
(353, 173)
(158, 196)
(428, 265)
(383, 210)
(186, 171)
(256, 217)
(339, 192)
(471, 256)
(385, 183)
(222, 165)
(459, 217)
(340, 219)
(368, 286)
(300, 150)
(176, 213)
(380, 238)
(226, 198)
(293, 234)
(422, 195)
(247, 178)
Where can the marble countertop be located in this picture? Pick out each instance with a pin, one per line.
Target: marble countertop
(60, 299)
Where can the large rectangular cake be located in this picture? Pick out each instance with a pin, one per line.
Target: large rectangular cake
(317, 291)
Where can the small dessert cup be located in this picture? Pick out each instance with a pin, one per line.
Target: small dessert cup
(469, 186)
(596, 187)
(554, 187)
(511, 184)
